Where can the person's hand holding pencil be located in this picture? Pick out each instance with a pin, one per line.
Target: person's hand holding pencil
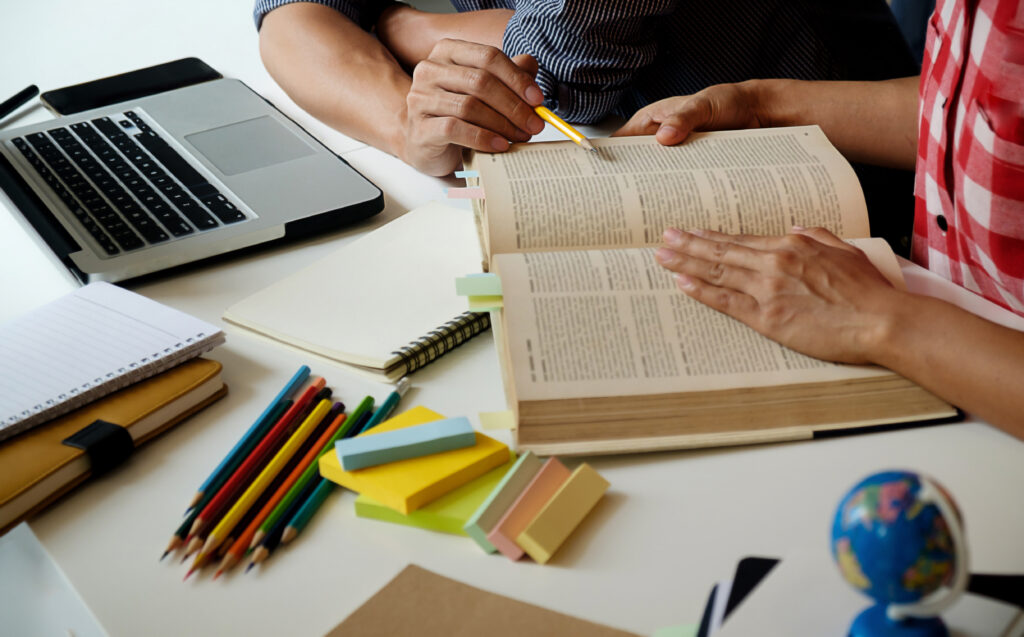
(468, 95)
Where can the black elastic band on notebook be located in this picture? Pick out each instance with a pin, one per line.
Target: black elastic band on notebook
(106, 444)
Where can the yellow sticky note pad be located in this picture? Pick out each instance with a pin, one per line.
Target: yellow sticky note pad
(448, 513)
(563, 513)
(407, 485)
(497, 420)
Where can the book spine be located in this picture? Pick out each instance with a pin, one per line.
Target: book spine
(442, 340)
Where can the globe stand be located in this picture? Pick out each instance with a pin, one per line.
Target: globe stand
(875, 622)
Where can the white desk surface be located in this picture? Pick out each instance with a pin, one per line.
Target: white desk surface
(671, 525)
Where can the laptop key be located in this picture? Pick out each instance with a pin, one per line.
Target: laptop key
(224, 209)
(175, 163)
(171, 219)
(196, 214)
(148, 228)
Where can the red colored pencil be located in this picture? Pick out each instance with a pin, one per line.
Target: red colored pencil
(257, 458)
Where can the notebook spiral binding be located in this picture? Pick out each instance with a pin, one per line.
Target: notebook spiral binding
(439, 341)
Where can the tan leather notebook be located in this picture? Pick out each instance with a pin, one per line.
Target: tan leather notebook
(38, 468)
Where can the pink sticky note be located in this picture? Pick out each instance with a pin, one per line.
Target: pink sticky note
(465, 193)
(526, 507)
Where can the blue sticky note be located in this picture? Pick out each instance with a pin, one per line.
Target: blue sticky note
(401, 444)
(462, 174)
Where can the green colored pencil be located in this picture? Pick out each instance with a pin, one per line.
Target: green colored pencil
(311, 472)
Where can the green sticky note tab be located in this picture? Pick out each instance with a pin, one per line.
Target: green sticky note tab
(478, 285)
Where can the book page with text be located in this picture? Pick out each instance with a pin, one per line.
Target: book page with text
(553, 195)
(612, 323)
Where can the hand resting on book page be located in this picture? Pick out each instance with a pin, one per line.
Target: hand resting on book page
(719, 107)
(789, 288)
(816, 294)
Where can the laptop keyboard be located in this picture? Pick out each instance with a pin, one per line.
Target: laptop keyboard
(125, 184)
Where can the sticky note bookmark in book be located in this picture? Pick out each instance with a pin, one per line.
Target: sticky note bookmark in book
(480, 284)
(494, 420)
(485, 303)
(466, 193)
(401, 444)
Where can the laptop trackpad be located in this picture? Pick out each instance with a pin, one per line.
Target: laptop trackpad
(244, 146)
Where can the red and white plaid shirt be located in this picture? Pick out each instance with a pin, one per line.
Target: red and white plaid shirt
(969, 219)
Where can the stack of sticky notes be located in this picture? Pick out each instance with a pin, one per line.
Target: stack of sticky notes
(535, 508)
(414, 467)
(482, 291)
(423, 470)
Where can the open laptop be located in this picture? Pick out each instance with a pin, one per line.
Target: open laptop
(172, 178)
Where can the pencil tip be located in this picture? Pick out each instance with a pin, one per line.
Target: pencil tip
(249, 568)
(217, 574)
(190, 571)
(165, 555)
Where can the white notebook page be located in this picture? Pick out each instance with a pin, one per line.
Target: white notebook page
(87, 344)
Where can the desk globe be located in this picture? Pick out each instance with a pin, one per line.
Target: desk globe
(897, 537)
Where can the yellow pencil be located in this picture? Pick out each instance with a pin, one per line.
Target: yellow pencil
(249, 497)
(559, 123)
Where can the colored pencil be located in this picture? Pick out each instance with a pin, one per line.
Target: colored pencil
(259, 456)
(261, 504)
(325, 486)
(251, 437)
(272, 539)
(241, 545)
(307, 510)
(311, 471)
(384, 411)
(178, 539)
(256, 488)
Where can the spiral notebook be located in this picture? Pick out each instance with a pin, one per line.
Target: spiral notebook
(86, 345)
(386, 303)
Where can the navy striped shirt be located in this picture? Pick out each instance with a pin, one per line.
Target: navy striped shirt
(599, 57)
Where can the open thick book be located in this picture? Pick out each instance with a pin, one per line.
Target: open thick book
(602, 354)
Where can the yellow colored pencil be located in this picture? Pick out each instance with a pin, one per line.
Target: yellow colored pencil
(262, 481)
(548, 116)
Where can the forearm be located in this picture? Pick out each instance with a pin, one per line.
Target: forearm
(337, 72)
(869, 122)
(968, 361)
(410, 34)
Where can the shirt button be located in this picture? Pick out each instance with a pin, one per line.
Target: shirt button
(941, 220)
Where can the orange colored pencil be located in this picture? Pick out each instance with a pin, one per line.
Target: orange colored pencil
(241, 545)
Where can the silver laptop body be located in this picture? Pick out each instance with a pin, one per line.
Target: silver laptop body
(173, 178)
